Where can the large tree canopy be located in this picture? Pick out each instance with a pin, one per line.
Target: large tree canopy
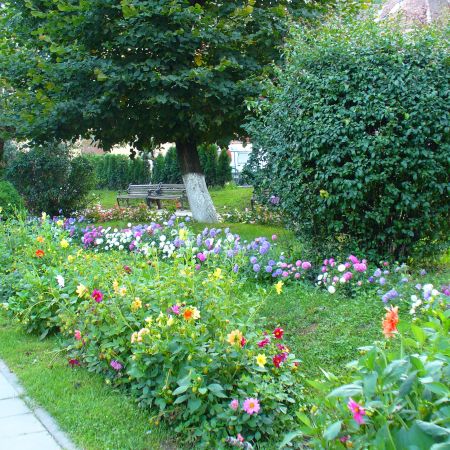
(132, 70)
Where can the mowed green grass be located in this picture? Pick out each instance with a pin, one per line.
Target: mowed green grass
(95, 415)
(230, 196)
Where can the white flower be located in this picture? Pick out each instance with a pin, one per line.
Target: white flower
(434, 292)
(414, 298)
(320, 277)
(342, 280)
(331, 289)
(341, 267)
(60, 280)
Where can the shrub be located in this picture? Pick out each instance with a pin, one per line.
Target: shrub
(223, 168)
(50, 180)
(10, 200)
(355, 136)
(158, 169)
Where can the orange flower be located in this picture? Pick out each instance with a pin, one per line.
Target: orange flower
(390, 322)
(40, 239)
(39, 253)
(235, 337)
(191, 313)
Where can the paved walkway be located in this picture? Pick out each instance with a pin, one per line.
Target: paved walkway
(22, 428)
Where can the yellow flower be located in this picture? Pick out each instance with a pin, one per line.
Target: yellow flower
(170, 321)
(279, 287)
(218, 273)
(136, 304)
(149, 320)
(81, 290)
(323, 193)
(183, 234)
(261, 360)
(44, 217)
(60, 223)
(235, 337)
(71, 258)
(122, 291)
(116, 286)
(40, 239)
(64, 243)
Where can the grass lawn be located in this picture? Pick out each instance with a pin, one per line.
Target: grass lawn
(230, 196)
(95, 415)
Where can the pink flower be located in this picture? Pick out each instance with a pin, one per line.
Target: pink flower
(77, 335)
(298, 263)
(285, 274)
(277, 360)
(234, 404)
(97, 295)
(278, 333)
(274, 237)
(198, 267)
(347, 265)
(353, 259)
(324, 269)
(357, 410)
(347, 276)
(306, 265)
(240, 438)
(116, 365)
(325, 262)
(251, 406)
(335, 279)
(201, 257)
(360, 267)
(175, 309)
(297, 276)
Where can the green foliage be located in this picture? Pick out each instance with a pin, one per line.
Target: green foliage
(404, 393)
(172, 172)
(162, 70)
(10, 200)
(158, 169)
(118, 171)
(208, 161)
(223, 168)
(355, 136)
(49, 180)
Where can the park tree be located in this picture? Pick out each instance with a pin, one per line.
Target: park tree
(137, 71)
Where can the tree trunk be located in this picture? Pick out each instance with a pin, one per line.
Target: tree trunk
(198, 196)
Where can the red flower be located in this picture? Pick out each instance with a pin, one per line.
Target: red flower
(97, 295)
(243, 341)
(278, 333)
(277, 360)
(39, 253)
(264, 342)
(74, 362)
(127, 269)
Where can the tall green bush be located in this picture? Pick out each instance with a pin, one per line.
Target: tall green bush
(355, 136)
(50, 180)
(172, 171)
(10, 200)
(223, 168)
(158, 169)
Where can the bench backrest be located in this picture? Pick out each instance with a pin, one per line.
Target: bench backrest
(140, 188)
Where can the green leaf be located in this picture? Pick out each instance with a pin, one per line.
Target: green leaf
(181, 389)
(347, 390)
(181, 399)
(194, 404)
(433, 430)
(288, 438)
(332, 431)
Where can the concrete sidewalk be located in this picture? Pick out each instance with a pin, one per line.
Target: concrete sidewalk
(23, 428)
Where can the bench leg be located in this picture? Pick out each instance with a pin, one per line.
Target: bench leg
(158, 202)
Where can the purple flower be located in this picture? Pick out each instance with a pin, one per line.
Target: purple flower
(382, 281)
(256, 267)
(269, 269)
(306, 265)
(371, 279)
(253, 260)
(116, 365)
(377, 273)
(423, 272)
(201, 257)
(235, 268)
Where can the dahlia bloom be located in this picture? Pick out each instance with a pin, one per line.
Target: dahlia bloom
(357, 410)
(251, 406)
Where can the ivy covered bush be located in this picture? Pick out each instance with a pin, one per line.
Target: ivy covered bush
(49, 179)
(354, 133)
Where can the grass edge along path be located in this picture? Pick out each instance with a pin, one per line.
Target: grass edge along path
(94, 415)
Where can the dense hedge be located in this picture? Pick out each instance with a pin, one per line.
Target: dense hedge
(356, 134)
(118, 171)
(216, 166)
(50, 180)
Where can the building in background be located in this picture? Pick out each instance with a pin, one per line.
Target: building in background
(239, 154)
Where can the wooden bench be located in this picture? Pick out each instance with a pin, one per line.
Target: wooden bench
(135, 192)
(269, 198)
(167, 192)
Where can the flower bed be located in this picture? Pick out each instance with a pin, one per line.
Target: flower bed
(161, 311)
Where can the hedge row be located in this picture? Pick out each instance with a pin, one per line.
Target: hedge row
(215, 165)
